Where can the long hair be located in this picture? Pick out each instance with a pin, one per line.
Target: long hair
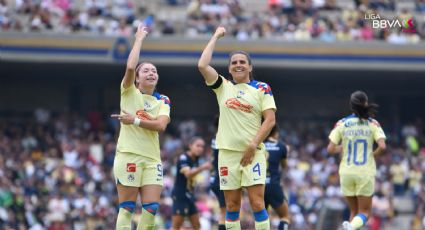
(360, 106)
(251, 77)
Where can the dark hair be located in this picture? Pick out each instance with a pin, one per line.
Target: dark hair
(193, 139)
(274, 130)
(251, 77)
(360, 106)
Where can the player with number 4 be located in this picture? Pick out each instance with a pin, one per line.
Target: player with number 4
(354, 137)
(242, 102)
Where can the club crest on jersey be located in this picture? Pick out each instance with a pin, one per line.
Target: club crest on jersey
(147, 106)
(240, 94)
(224, 171)
(131, 167)
(223, 181)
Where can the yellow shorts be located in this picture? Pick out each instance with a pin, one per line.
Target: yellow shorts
(357, 185)
(136, 171)
(234, 176)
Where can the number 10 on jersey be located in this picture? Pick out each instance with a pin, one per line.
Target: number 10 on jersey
(353, 147)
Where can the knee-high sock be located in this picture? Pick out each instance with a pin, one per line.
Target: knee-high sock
(147, 219)
(262, 221)
(359, 221)
(125, 213)
(232, 220)
(283, 225)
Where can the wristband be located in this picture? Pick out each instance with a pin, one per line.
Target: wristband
(137, 121)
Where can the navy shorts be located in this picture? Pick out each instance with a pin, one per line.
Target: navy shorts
(274, 195)
(215, 187)
(184, 206)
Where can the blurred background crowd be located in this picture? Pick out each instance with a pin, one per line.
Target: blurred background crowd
(56, 172)
(286, 20)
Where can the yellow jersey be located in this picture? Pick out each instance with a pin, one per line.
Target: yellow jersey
(241, 106)
(357, 137)
(138, 140)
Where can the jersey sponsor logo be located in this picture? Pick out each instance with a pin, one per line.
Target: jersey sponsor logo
(143, 115)
(131, 167)
(224, 171)
(240, 94)
(234, 103)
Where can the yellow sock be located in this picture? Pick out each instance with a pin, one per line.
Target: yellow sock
(147, 218)
(359, 221)
(236, 225)
(124, 219)
(263, 225)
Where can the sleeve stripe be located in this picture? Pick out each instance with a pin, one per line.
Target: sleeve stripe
(217, 83)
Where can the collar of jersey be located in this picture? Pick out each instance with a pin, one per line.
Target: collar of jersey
(251, 82)
(155, 94)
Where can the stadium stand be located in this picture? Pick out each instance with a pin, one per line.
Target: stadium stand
(284, 20)
(56, 174)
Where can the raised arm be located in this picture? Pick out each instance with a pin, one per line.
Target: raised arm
(133, 58)
(209, 73)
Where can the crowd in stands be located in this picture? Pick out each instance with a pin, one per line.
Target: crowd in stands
(56, 173)
(286, 20)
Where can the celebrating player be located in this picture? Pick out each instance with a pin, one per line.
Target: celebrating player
(274, 195)
(243, 102)
(183, 197)
(137, 164)
(354, 137)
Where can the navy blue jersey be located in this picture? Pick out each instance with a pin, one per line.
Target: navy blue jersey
(277, 152)
(214, 179)
(183, 187)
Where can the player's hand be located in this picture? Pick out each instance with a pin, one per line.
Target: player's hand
(206, 165)
(141, 33)
(125, 117)
(220, 32)
(248, 155)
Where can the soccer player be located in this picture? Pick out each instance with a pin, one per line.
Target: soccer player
(137, 163)
(215, 182)
(242, 102)
(274, 195)
(183, 194)
(354, 136)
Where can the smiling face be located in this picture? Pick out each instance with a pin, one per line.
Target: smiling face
(240, 67)
(147, 76)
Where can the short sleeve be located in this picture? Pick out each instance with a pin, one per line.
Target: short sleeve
(184, 162)
(378, 132)
(267, 99)
(335, 135)
(123, 90)
(165, 106)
